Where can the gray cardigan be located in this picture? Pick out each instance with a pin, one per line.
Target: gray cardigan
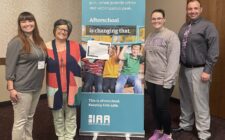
(22, 68)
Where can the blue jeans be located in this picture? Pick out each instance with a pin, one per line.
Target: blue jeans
(109, 84)
(130, 79)
(92, 80)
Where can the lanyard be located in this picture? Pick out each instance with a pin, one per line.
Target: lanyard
(36, 52)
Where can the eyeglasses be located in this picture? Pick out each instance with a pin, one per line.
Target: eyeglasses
(157, 19)
(62, 30)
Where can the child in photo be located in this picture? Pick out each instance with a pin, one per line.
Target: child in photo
(130, 70)
(93, 75)
(111, 70)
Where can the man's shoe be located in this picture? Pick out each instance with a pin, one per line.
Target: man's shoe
(205, 138)
(180, 129)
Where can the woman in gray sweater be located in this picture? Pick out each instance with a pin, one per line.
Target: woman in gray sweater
(162, 52)
(25, 68)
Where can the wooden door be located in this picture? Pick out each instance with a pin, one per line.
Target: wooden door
(214, 11)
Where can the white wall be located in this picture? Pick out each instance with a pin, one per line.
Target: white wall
(46, 13)
(3, 92)
(175, 12)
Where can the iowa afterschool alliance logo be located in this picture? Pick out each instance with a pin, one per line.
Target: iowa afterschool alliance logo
(98, 119)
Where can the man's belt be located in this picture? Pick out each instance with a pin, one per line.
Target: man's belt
(193, 66)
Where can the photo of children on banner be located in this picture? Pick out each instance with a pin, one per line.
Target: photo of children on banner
(130, 69)
(93, 69)
(108, 70)
(93, 65)
(111, 70)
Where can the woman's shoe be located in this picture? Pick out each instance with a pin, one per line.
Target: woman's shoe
(156, 135)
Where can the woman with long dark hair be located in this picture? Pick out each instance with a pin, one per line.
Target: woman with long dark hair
(25, 68)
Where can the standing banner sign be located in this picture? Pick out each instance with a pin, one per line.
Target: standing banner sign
(112, 114)
(107, 23)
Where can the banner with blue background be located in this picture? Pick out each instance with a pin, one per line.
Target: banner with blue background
(106, 20)
(112, 114)
(118, 22)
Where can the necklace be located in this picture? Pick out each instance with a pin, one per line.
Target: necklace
(62, 60)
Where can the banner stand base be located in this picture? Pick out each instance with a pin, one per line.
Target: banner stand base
(95, 136)
(125, 135)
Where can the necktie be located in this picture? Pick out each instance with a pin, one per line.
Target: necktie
(184, 41)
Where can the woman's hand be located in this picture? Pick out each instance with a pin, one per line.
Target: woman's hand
(14, 96)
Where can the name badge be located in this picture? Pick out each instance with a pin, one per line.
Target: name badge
(41, 65)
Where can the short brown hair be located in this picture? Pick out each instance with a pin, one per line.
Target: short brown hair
(63, 22)
(159, 11)
(188, 1)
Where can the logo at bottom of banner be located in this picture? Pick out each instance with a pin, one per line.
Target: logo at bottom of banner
(112, 114)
